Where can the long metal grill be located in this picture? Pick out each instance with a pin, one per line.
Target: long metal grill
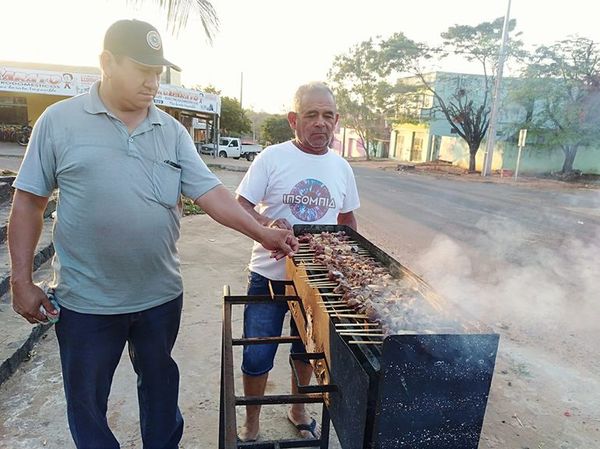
(424, 387)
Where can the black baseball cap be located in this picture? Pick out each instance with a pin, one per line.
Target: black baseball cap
(137, 40)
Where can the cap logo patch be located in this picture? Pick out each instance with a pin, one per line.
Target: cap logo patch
(153, 40)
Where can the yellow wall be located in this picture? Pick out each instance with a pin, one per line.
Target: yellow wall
(403, 139)
(36, 103)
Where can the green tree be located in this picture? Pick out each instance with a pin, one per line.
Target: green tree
(561, 94)
(467, 107)
(362, 94)
(178, 12)
(233, 120)
(257, 119)
(276, 129)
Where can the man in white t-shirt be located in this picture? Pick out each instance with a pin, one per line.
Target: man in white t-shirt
(299, 181)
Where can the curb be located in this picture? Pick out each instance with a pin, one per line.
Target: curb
(25, 344)
(226, 167)
(22, 353)
(41, 257)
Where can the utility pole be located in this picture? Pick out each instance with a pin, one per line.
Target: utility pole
(241, 87)
(491, 140)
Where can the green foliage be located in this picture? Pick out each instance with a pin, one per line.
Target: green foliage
(465, 107)
(481, 43)
(178, 12)
(233, 120)
(276, 129)
(257, 119)
(561, 96)
(190, 208)
(367, 98)
(210, 89)
(363, 96)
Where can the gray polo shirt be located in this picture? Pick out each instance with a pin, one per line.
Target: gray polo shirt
(117, 220)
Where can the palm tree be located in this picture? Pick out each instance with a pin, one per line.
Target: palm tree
(178, 12)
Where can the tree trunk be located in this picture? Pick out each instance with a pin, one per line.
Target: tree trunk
(570, 153)
(472, 154)
(365, 144)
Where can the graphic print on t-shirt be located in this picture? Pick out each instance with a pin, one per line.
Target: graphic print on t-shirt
(309, 200)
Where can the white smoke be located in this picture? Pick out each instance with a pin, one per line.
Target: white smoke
(511, 273)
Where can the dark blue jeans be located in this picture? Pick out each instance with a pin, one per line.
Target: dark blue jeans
(265, 320)
(90, 350)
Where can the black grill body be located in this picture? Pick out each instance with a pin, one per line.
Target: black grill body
(414, 391)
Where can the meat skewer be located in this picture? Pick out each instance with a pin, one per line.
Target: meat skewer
(350, 274)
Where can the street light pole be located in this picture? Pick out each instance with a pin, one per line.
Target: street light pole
(241, 87)
(491, 140)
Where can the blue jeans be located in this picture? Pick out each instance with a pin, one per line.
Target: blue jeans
(265, 320)
(90, 350)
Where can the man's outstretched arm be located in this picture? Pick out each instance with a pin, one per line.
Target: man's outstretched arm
(223, 208)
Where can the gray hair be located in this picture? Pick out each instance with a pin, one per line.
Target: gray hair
(309, 87)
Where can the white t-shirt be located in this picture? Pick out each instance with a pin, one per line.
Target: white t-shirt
(285, 182)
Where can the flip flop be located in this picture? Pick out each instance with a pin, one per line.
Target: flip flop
(239, 440)
(306, 427)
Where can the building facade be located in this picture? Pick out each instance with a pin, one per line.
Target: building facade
(426, 134)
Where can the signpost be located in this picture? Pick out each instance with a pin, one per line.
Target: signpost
(521, 144)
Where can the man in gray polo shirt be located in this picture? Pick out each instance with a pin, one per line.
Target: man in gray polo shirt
(120, 165)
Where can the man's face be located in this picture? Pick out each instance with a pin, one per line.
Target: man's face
(315, 121)
(133, 85)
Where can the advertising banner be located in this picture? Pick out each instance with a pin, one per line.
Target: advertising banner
(37, 81)
(68, 84)
(192, 100)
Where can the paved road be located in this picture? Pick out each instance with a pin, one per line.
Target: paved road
(410, 210)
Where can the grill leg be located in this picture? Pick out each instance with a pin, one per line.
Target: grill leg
(227, 421)
(325, 422)
(228, 401)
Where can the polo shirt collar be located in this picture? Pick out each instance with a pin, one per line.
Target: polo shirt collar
(94, 105)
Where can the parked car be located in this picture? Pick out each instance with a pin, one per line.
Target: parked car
(232, 147)
(250, 150)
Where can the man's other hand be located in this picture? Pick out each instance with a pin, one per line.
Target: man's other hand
(26, 301)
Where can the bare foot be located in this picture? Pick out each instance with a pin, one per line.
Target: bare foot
(306, 426)
(248, 432)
